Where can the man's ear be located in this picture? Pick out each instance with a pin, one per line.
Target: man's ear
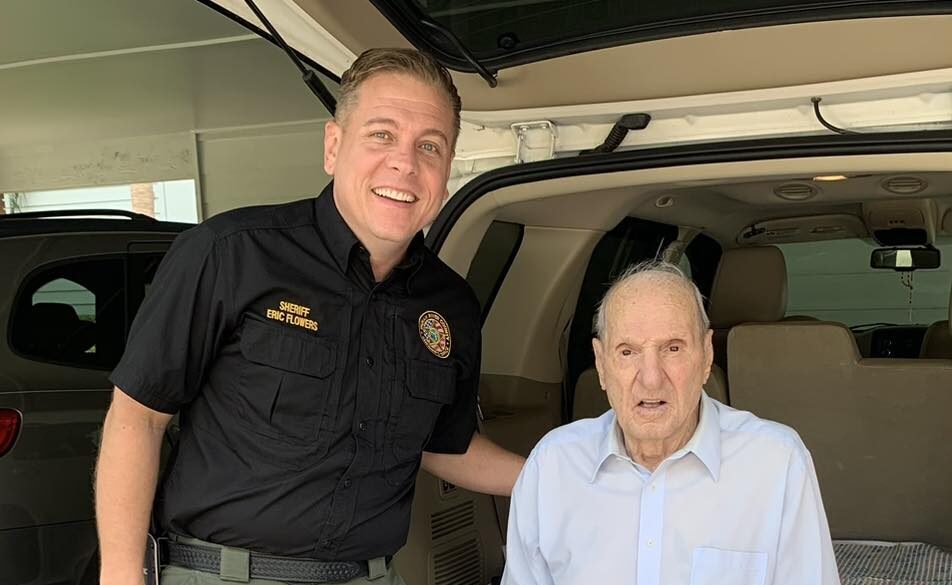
(332, 137)
(598, 348)
(708, 352)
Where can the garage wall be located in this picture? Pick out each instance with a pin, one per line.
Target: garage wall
(231, 114)
(265, 165)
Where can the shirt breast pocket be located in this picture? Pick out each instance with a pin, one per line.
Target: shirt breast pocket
(713, 566)
(428, 388)
(285, 386)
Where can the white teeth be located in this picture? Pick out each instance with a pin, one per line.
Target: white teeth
(394, 194)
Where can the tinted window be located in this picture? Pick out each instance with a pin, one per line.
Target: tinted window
(77, 313)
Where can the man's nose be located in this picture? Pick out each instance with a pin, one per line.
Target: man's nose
(651, 373)
(403, 159)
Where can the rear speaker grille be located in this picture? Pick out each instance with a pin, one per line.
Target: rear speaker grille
(458, 564)
(446, 522)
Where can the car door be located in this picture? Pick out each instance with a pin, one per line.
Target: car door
(67, 306)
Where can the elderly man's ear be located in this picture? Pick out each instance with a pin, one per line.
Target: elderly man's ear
(708, 353)
(597, 348)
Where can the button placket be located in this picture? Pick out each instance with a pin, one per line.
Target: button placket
(650, 530)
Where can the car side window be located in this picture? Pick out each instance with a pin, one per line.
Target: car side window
(77, 313)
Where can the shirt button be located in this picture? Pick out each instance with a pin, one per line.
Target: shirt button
(654, 488)
(347, 483)
(650, 543)
(362, 425)
(328, 544)
(369, 361)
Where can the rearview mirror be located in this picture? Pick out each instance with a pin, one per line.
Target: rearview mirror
(905, 258)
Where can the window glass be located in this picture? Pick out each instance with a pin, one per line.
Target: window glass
(78, 313)
(833, 281)
(64, 291)
(163, 200)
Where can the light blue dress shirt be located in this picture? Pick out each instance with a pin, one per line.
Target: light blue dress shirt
(739, 504)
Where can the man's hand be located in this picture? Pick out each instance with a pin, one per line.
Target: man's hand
(125, 486)
(485, 467)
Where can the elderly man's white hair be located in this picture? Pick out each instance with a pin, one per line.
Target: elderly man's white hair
(664, 273)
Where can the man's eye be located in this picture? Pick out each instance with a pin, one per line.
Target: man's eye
(381, 135)
(674, 348)
(626, 352)
(430, 147)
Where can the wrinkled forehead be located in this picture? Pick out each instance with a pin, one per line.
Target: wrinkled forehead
(653, 305)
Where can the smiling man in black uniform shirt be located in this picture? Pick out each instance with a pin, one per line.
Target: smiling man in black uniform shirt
(317, 353)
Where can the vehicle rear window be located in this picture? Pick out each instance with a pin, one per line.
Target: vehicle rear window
(833, 281)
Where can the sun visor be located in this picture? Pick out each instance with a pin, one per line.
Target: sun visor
(803, 229)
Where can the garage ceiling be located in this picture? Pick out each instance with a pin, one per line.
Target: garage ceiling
(33, 30)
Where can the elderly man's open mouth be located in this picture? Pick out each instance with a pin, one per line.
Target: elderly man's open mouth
(652, 404)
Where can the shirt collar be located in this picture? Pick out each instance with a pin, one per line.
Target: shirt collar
(705, 443)
(341, 241)
(337, 235)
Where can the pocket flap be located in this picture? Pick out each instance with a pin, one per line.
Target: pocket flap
(431, 381)
(287, 350)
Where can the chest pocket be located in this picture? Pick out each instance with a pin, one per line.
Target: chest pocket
(428, 388)
(286, 383)
(712, 566)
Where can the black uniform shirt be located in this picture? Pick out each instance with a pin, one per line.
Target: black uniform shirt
(307, 391)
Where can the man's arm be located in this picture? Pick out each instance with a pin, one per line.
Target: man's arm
(126, 475)
(805, 551)
(485, 467)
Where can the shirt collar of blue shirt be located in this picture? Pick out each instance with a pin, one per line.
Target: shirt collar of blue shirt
(705, 444)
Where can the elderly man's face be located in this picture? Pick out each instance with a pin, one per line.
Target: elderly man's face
(391, 158)
(652, 362)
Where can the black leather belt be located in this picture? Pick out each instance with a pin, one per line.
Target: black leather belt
(208, 560)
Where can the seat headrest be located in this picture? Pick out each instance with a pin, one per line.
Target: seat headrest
(55, 330)
(750, 286)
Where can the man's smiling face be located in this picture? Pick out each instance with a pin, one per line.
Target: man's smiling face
(390, 158)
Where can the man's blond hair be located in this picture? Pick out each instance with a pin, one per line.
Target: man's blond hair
(409, 62)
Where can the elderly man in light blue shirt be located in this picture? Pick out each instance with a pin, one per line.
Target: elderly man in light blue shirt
(669, 487)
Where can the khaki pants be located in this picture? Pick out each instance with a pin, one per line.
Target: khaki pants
(180, 576)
